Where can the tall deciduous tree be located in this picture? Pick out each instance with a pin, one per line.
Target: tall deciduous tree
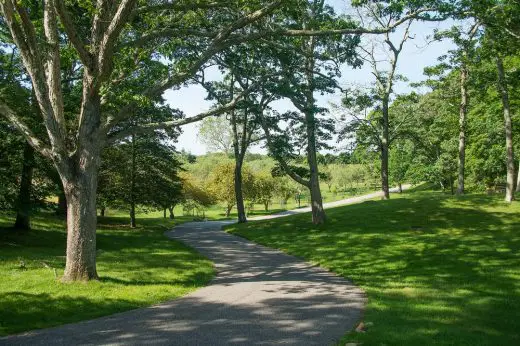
(462, 59)
(100, 32)
(385, 80)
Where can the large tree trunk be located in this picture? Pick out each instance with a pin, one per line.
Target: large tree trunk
(385, 140)
(81, 226)
(510, 160)
(462, 127)
(79, 176)
(23, 205)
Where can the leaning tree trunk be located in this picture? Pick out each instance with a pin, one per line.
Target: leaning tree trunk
(462, 127)
(510, 160)
(385, 141)
(23, 205)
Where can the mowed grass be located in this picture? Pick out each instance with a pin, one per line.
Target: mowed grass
(137, 267)
(437, 270)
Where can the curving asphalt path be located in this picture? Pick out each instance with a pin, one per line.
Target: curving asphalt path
(260, 296)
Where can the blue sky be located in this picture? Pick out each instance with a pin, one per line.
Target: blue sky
(416, 55)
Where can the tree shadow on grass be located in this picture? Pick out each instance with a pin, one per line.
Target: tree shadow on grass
(137, 267)
(437, 270)
(21, 309)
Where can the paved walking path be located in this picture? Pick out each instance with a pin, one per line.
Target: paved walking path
(260, 296)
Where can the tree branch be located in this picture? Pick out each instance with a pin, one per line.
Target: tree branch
(37, 144)
(175, 123)
(176, 6)
(117, 23)
(53, 65)
(280, 160)
(72, 34)
(358, 31)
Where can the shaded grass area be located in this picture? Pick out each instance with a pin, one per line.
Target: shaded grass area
(437, 270)
(137, 267)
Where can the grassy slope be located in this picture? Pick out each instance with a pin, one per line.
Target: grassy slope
(137, 267)
(437, 269)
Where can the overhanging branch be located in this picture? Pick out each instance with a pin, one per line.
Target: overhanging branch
(37, 144)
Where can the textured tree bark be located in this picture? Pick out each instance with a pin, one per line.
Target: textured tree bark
(385, 140)
(23, 205)
(510, 158)
(79, 176)
(81, 227)
(462, 127)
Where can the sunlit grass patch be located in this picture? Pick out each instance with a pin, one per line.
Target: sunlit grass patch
(437, 269)
(137, 267)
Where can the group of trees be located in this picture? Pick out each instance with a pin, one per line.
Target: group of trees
(476, 80)
(85, 81)
(215, 174)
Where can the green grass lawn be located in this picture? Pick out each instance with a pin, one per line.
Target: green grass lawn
(137, 267)
(437, 269)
